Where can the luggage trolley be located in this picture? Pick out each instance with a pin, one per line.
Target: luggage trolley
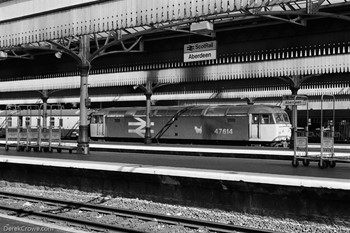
(22, 136)
(11, 131)
(50, 138)
(301, 134)
(326, 156)
(327, 139)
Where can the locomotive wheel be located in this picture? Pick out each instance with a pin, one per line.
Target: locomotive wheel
(28, 149)
(332, 164)
(327, 163)
(306, 162)
(18, 149)
(295, 163)
(322, 164)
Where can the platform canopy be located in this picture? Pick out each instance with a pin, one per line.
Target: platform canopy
(64, 21)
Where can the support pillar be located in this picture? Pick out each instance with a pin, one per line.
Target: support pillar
(294, 109)
(44, 98)
(294, 118)
(83, 140)
(148, 94)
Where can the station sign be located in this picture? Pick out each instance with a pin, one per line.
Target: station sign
(294, 100)
(200, 51)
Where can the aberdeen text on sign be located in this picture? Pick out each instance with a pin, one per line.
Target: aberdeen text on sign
(200, 51)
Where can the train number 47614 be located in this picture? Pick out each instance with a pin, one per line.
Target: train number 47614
(223, 131)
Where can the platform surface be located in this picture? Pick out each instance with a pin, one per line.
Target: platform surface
(267, 171)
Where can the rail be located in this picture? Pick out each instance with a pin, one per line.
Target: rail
(144, 216)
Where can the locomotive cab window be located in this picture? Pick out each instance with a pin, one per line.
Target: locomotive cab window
(265, 119)
(262, 119)
(281, 118)
(98, 119)
(255, 118)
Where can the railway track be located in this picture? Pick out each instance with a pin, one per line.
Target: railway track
(64, 206)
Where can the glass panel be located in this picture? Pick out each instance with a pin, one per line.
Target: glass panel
(255, 119)
(9, 122)
(216, 112)
(281, 118)
(162, 112)
(27, 121)
(196, 112)
(171, 112)
(286, 118)
(265, 119)
(117, 113)
(52, 121)
(140, 113)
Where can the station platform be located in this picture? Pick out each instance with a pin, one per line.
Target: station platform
(341, 150)
(257, 152)
(266, 171)
(227, 182)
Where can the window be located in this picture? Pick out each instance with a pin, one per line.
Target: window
(97, 119)
(281, 118)
(262, 119)
(9, 122)
(162, 113)
(265, 119)
(196, 112)
(166, 112)
(140, 113)
(216, 112)
(52, 121)
(27, 121)
(255, 118)
(120, 113)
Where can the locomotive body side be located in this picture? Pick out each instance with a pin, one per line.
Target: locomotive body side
(199, 123)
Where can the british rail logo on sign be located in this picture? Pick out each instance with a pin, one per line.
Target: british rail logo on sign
(200, 51)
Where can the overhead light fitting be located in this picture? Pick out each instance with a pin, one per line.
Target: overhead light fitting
(58, 55)
(203, 27)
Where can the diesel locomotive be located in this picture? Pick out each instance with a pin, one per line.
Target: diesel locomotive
(241, 124)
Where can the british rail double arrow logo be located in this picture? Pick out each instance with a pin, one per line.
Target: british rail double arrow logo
(141, 129)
